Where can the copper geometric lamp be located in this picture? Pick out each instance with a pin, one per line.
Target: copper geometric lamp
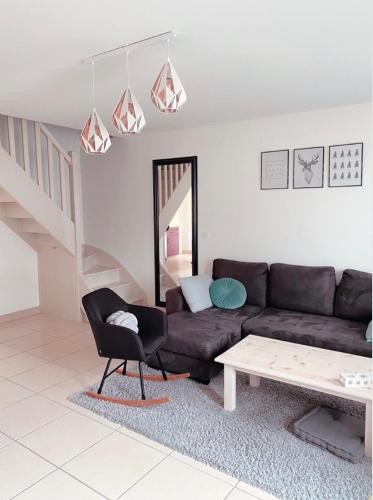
(94, 138)
(128, 117)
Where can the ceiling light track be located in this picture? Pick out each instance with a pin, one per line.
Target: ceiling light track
(122, 49)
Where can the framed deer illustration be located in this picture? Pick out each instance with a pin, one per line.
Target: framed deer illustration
(308, 168)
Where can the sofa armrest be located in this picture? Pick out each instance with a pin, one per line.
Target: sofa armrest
(175, 301)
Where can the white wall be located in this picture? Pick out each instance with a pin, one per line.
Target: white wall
(18, 273)
(236, 219)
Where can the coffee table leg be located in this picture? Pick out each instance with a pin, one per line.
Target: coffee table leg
(229, 388)
(254, 381)
(368, 430)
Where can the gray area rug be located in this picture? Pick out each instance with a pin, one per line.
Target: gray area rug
(254, 443)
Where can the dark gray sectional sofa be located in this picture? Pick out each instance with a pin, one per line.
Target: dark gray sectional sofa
(298, 304)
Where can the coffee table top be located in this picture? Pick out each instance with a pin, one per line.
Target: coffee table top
(297, 364)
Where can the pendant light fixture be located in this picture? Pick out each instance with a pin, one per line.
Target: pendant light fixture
(128, 117)
(94, 138)
(168, 94)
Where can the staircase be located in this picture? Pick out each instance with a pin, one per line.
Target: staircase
(101, 270)
(40, 199)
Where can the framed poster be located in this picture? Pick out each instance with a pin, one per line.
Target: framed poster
(275, 169)
(346, 165)
(308, 168)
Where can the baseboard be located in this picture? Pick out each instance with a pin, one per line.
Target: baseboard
(19, 314)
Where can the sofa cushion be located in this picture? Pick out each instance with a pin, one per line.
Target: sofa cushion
(302, 288)
(327, 332)
(206, 334)
(196, 290)
(228, 293)
(253, 275)
(353, 299)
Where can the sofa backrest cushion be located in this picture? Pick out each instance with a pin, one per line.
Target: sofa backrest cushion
(354, 296)
(253, 275)
(302, 288)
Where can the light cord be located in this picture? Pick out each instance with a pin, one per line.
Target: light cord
(93, 85)
(128, 69)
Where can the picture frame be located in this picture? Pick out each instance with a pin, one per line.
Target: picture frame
(274, 169)
(308, 167)
(346, 165)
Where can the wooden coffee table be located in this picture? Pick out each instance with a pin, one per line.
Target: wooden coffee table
(296, 364)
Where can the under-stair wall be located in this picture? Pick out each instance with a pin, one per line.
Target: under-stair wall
(40, 201)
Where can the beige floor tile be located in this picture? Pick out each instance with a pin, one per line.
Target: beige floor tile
(9, 367)
(255, 492)
(59, 486)
(62, 439)
(97, 418)
(240, 495)
(38, 322)
(63, 330)
(55, 350)
(60, 392)
(11, 393)
(30, 341)
(4, 440)
(44, 376)
(114, 464)
(206, 468)
(13, 332)
(29, 414)
(85, 339)
(175, 479)
(6, 351)
(145, 440)
(20, 468)
(81, 361)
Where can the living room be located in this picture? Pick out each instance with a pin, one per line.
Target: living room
(186, 287)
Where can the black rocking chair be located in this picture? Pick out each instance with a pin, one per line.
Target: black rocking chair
(117, 342)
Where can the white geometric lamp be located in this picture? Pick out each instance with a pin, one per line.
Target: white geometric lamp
(128, 117)
(168, 94)
(94, 138)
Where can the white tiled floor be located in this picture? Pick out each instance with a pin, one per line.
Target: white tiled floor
(52, 449)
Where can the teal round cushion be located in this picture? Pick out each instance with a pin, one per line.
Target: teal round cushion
(227, 293)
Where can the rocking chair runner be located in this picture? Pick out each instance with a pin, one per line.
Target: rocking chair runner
(117, 342)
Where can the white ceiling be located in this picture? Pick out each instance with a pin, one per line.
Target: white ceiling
(238, 59)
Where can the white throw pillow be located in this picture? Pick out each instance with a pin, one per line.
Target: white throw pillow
(125, 319)
(196, 291)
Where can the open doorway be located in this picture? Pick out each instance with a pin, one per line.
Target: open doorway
(175, 222)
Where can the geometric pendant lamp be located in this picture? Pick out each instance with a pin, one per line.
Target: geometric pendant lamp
(128, 117)
(94, 138)
(168, 94)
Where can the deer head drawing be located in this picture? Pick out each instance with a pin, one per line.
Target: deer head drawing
(307, 167)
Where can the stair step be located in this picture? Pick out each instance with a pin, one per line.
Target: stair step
(99, 276)
(116, 286)
(5, 197)
(15, 211)
(31, 226)
(136, 299)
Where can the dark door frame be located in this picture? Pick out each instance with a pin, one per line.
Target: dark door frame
(174, 161)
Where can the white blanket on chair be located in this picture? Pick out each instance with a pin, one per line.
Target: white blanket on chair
(126, 319)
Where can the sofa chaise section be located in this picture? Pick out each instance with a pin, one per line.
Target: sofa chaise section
(194, 340)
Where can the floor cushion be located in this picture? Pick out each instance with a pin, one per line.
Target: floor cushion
(333, 430)
(327, 332)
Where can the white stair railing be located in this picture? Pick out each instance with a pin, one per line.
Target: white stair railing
(37, 152)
